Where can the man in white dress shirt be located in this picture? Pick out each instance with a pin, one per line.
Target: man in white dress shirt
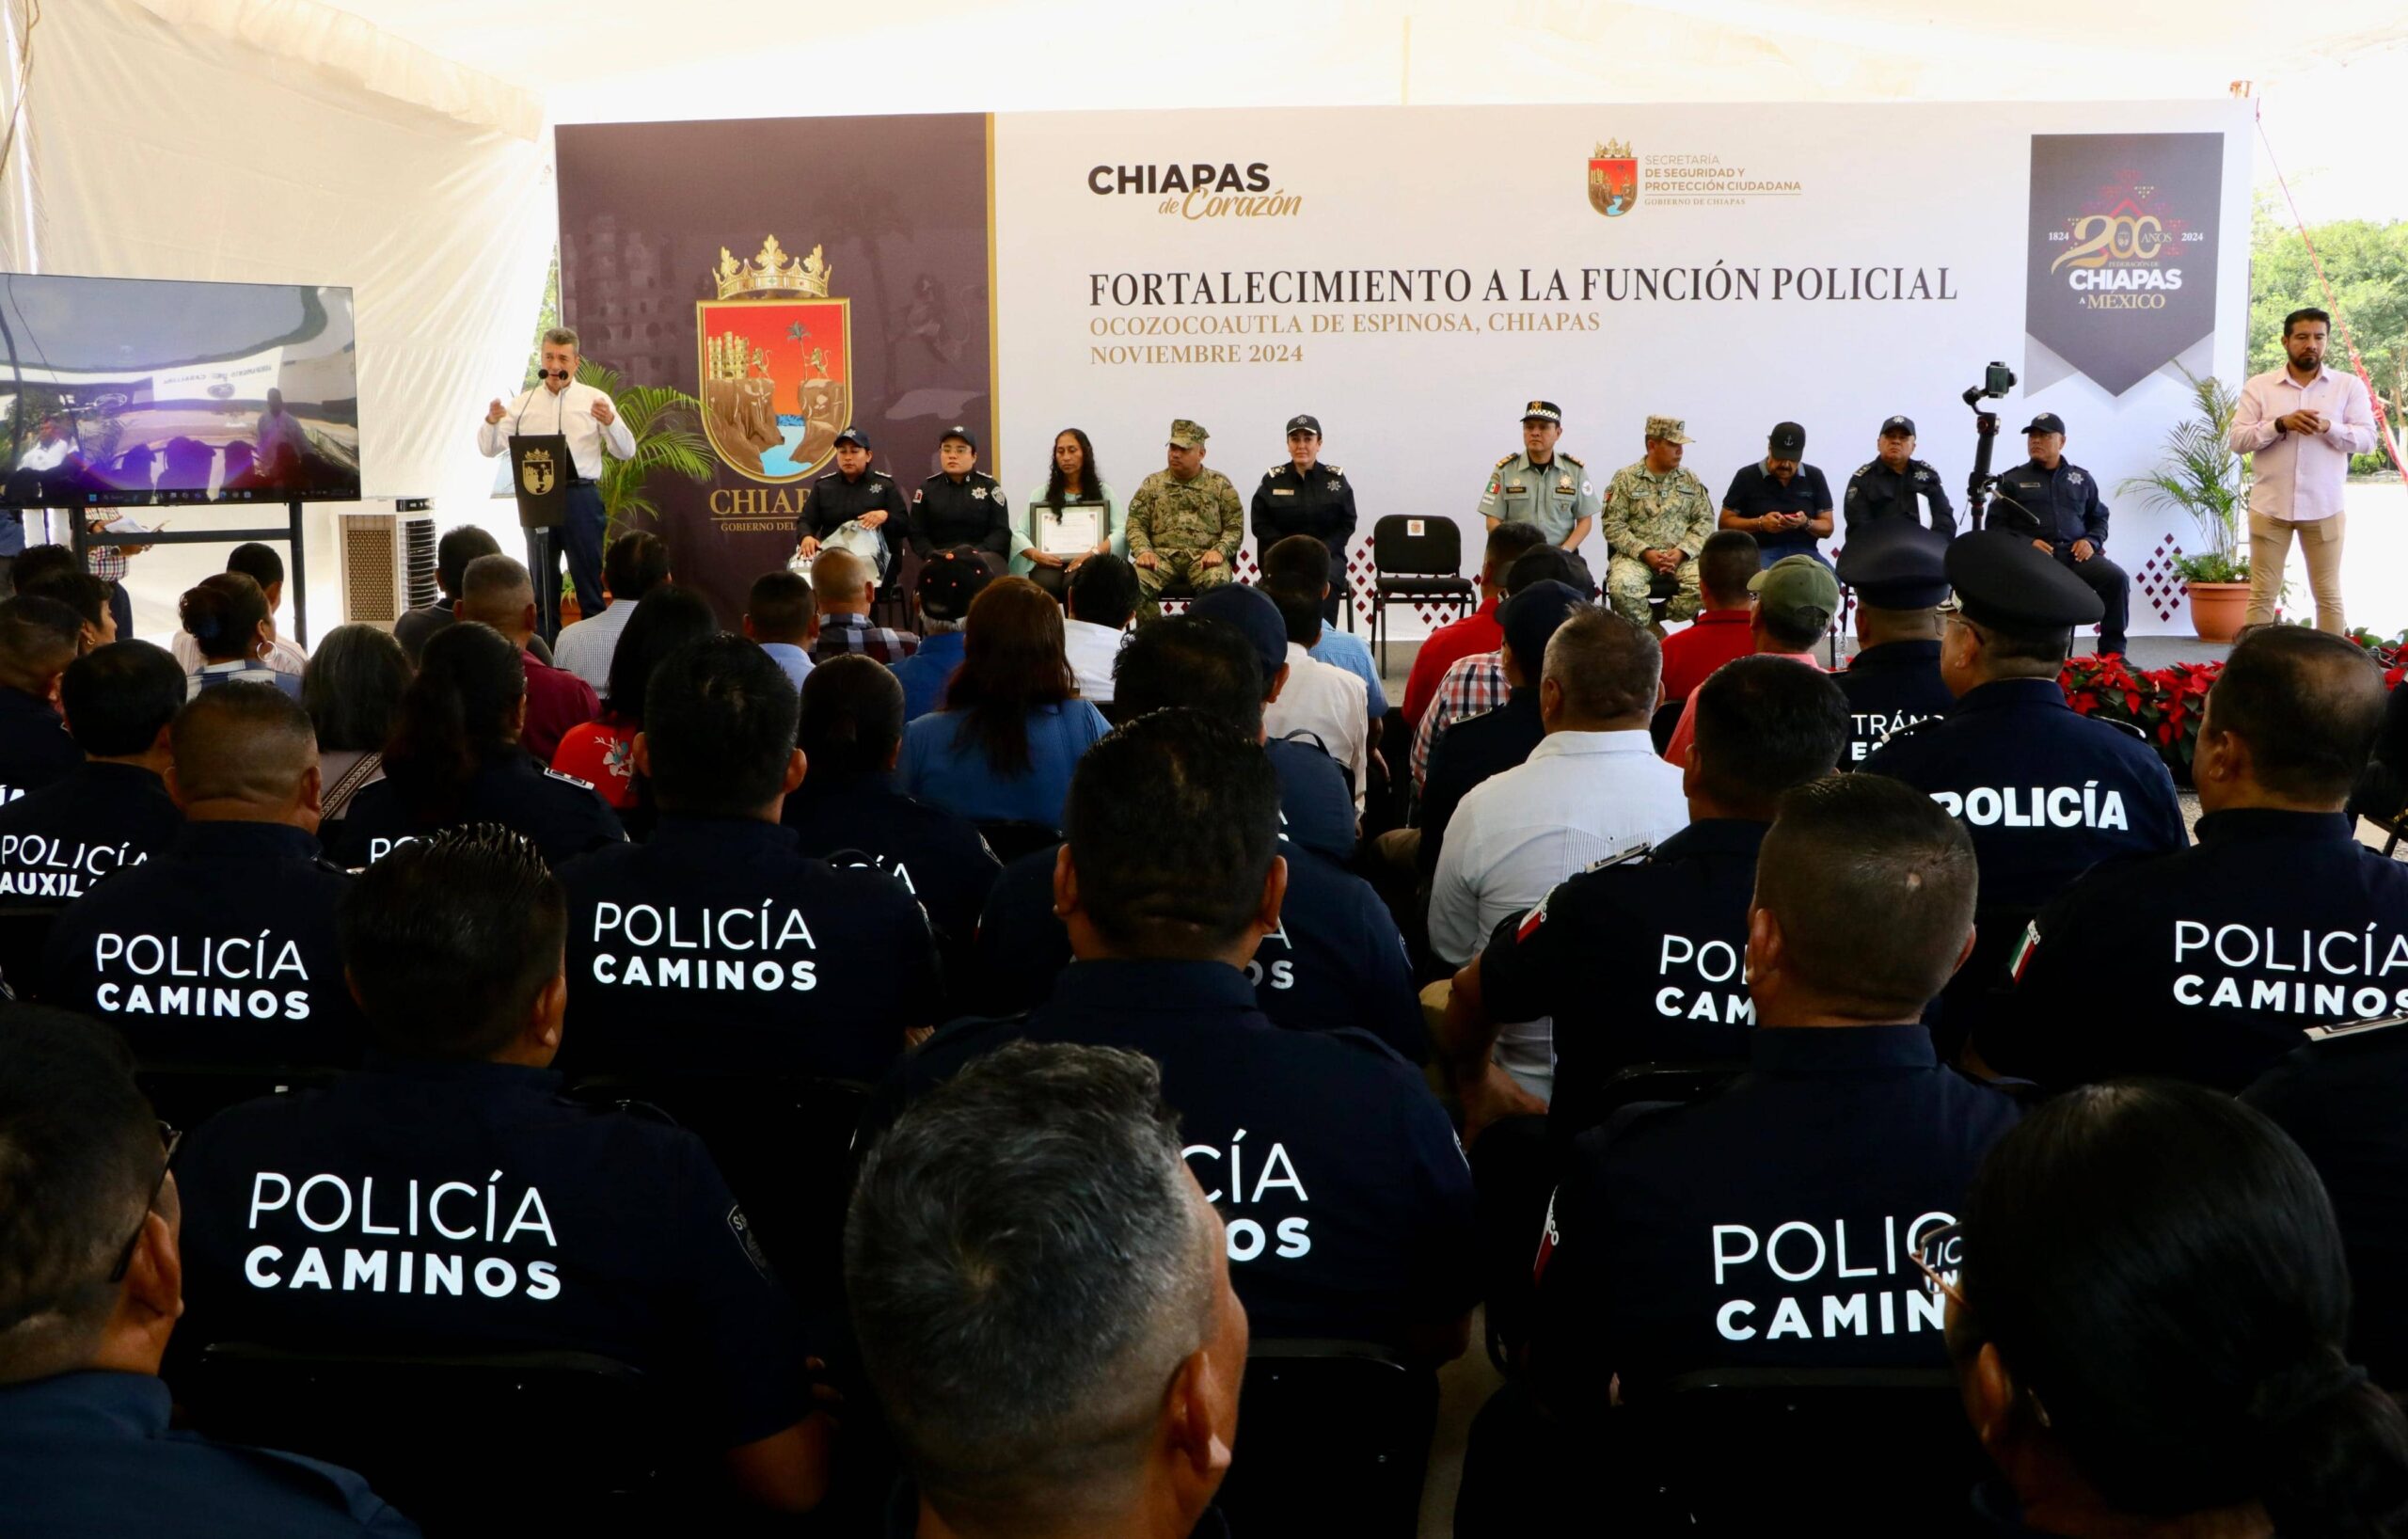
(636, 564)
(1320, 698)
(585, 417)
(264, 566)
(1593, 789)
(2300, 424)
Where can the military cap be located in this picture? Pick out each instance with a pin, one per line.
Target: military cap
(1187, 435)
(1787, 439)
(1669, 429)
(1898, 427)
(2047, 421)
(1897, 565)
(1531, 618)
(852, 435)
(1303, 422)
(958, 430)
(1255, 617)
(1542, 411)
(2003, 580)
(949, 581)
(1797, 588)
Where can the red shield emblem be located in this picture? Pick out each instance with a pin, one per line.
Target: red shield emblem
(777, 383)
(1614, 181)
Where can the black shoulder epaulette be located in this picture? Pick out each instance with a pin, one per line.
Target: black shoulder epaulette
(1861, 468)
(1276, 469)
(1571, 460)
(1331, 468)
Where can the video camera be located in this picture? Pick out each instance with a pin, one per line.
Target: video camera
(1996, 381)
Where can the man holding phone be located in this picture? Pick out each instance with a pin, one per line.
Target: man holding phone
(1780, 499)
(2300, 424)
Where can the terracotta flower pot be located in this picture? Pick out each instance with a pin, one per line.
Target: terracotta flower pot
(2217, 609)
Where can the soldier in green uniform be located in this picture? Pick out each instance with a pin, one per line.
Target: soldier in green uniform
(1185, 523)
(1657, 517)
(1540, 485)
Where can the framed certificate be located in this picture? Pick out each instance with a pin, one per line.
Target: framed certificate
(1074, 533)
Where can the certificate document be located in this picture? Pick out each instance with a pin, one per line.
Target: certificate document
(1074, 533)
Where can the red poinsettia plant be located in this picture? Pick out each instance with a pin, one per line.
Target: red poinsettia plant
(2168, 703)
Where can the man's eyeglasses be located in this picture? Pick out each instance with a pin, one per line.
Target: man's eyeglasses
(169, 1139)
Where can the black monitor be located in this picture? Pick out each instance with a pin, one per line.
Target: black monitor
(117, 392)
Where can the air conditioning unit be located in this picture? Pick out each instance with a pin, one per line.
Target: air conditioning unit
(388, 563)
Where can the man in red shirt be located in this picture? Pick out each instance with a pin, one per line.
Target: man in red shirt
(1476, 632)
(1721, 633)
(496, 592)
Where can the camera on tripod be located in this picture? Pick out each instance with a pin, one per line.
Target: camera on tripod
(1996, 381)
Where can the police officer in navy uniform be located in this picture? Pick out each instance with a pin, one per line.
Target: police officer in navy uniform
(1301, 496)
(855, 493)
(2055, 503)
(717, 943)
(961, 505)
(91, 1281)
(1894, 482)
(452, 1196)
(463, 712)
(848, 809)
(1766, 1226)
(2278, 919)
(221, 949)
(1348, 1205)
(1336, 958)
(39, 638)
(114, 809)
(1899, 572)
(1316, 804)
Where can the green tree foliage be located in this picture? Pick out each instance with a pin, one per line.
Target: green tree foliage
(2368, 264)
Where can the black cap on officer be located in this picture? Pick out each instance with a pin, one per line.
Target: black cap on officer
(1788, 440)
(1897, 565)
(949, 581)
(2006, 584)
(958, 430)
(1255, 617)
(852, 435)
(1303, 422)
(1898, 427)
(2047, 421)
(1542, 411)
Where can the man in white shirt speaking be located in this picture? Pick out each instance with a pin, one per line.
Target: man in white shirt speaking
(1593, 791)
(586, 417)
(2300, 424)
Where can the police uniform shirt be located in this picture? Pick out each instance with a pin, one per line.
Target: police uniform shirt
(57, 842)
(938, 857)
(1555, 495)
(835, 500)
(1347, 1201)
(717, 945)
(2059, 506)
(1875, 491)
(221, 949)
(471, 1206)
(91, 1454)
(946, 513)
(1755, 492)
(2274, 922)
(1319, 502)
(565, 815)
(2339, 1100)
(1639, 960)
(1890, 688)
(34, 748)
(2046, 794)
(1335, 960)
(1769, 1226)
(1316, 809)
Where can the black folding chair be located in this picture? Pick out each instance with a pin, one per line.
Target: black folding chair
(1662, 587)
(1173, 591)
(546, 1442)
(1415, 561)
(1333, 1437)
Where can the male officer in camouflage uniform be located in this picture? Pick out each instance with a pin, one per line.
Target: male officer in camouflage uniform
(1657, 517)
(1184, 524)
(1540, 485)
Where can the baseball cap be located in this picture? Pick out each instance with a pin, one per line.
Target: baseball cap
(852, 435)
(1250, 611)
(1798, 588)
(1530, 617)
(2047, 421)
(1787, 439)
(1303, 422)
(1542, 411)
(1898, 427)
(958, 430)
(949, 581)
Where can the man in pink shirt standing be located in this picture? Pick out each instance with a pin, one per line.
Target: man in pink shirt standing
(2300, 424)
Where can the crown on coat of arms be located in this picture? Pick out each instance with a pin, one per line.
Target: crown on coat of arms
(772, 272)
(1612, 150)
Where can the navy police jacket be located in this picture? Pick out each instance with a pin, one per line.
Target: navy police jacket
(34, 748)
(57, 842)
(1889, 689)
(564, 814)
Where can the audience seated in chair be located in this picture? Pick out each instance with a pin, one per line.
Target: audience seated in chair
(498, 591)
(1302, 561)
(635, 564)
(264, 566)
(112, 810)
(39, 638)
(601, 753)
(845, 590)
(781, 617)
(1317, 807)
(1320, 702)
(353, 691)
(233, 631)
(1099, 602)
(1725, 629)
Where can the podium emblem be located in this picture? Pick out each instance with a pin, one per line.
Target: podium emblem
(536, 471)
(775, 360)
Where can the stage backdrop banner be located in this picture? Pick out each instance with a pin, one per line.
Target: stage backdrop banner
(1412, 277)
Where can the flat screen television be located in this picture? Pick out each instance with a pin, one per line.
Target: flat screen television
(119, 392)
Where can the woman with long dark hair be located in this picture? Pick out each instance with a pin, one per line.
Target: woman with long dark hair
(603, 752)
(2147, 1305)
(1052, 537)
(226, 616)
(455, 759)
(1012, 726)
(353, 691)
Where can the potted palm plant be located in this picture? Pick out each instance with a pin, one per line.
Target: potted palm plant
(2200, 474)
(665, 423)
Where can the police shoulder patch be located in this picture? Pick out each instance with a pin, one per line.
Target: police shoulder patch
(1274, 469)
(564, 775)
(1861, 469)
(1571, 459)
(1334, 469)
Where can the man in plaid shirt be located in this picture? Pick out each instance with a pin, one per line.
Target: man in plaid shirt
(845, 589)
(1476, 683)
(108, 563)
